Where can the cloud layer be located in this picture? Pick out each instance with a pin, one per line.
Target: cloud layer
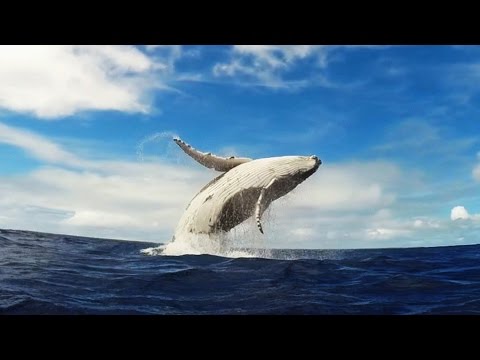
(144, 200)
(345, 205)
(120, 199)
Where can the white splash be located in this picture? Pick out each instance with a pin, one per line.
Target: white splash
(243, 241)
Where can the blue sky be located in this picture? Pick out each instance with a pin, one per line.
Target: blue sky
(85, 149)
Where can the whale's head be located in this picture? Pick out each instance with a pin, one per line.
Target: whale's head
(295, 168)
(308, 165)
(288, 171)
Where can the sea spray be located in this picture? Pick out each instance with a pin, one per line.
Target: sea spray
(158, 138)
(242, 241)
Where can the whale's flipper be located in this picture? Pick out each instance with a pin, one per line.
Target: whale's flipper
(209, 160)
(262, 203)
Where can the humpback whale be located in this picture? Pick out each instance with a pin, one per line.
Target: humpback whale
(245, 188)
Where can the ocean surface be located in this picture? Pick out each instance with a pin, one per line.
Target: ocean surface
(58, 274)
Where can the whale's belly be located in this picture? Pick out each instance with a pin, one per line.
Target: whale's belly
(227, 200)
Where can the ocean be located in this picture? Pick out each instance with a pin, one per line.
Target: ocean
(58, 274)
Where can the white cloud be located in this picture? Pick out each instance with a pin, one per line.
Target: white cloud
(56, 81)
(348, 187)
(93, 218)
(276, 56)
(426, 224)
(386, 233)
(460, 213)
(267, 65)
(37, 146)
(418, 223)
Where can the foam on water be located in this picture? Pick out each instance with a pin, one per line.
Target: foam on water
(243, 241)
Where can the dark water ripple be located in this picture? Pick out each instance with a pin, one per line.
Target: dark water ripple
(57, 274)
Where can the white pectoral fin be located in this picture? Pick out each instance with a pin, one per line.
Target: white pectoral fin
(208, 159)
(259, 210)
(261, 205)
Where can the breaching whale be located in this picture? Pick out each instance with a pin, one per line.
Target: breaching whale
(246, 188)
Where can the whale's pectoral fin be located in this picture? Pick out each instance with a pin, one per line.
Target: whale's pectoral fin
(209, 160)
(262, 204)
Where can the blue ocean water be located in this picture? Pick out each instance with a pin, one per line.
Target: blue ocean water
(58, 274)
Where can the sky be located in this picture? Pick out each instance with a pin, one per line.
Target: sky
(85, 138)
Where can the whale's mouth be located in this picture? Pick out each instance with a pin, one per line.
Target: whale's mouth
(317, 160)
(313, 169)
